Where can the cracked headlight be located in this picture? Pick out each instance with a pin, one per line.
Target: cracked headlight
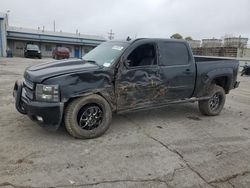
(47, 93)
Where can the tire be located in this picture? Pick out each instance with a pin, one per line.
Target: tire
(80, 106)
(215, 104)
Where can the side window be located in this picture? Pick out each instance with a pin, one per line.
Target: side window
(142, 56)
(173, 53)
(48, 47)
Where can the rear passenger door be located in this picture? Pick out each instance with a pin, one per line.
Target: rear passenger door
(177, 69)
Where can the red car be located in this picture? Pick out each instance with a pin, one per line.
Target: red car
(61, 53)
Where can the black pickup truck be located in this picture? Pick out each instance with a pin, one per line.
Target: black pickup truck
(122, 76)
(32, 50)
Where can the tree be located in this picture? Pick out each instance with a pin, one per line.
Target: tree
(188, 38)
(176, 36)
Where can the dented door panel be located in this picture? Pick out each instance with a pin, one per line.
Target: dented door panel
(138, 87)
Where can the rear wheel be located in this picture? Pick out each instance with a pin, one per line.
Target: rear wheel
(215, 104)
(88, 117)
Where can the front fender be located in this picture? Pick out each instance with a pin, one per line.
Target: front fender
(107, 94)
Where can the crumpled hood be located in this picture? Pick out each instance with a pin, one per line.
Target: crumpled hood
(37, 73)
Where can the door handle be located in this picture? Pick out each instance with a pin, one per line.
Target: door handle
(187, 71)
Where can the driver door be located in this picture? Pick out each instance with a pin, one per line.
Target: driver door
(137, 81)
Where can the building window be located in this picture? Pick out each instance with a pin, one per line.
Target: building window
(87, 49)
(70, 49)
(19, 46)
(48, 47)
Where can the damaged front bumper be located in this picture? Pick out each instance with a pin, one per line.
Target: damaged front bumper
(48, 115)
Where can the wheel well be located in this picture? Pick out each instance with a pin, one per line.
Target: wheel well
(73, 98)
(222, 81)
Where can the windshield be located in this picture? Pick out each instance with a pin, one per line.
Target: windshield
(106, 53)
(32, 47)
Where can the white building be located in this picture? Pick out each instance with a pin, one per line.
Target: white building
(211, 43)
(15, 39)
(237, 42)
(194, 43)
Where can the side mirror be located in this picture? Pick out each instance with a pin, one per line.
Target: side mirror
(127, 63)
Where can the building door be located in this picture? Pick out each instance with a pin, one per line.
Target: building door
(77, 52)
(19, 49)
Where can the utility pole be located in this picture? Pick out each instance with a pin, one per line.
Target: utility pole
(111, 35)
(54, 25)
(8, 16)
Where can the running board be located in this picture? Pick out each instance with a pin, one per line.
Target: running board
(193, 99)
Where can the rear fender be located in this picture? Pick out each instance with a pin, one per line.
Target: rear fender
(206, 79)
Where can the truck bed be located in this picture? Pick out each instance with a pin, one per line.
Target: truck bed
(207, 69)
(211, 58)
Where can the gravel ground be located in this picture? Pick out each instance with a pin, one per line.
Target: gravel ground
(174, 146)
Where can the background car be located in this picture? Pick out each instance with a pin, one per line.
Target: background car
(60, 53)
(32, 50)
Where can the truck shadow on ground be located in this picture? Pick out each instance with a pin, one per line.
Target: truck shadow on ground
(168, 114)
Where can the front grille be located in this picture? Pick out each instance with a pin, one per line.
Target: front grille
(28, 89)
(28, 93)
(28, 84)
(32, 52)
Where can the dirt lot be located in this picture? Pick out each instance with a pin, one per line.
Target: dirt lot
(174, 146)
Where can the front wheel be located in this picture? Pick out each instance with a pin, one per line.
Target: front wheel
(88, 117)
(215, 104)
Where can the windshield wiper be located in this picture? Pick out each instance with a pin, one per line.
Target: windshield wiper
(92, 61)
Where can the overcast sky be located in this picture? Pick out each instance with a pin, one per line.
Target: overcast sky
(142, 18)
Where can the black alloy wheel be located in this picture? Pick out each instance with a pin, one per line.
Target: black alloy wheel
(215, 101)
(90, 117)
